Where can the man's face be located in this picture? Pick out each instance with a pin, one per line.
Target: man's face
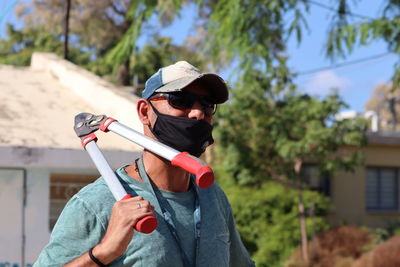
(197, 111)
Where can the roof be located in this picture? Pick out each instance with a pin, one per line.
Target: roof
(38, 105)
(387, 138)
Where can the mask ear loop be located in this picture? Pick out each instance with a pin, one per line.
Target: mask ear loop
(157, 113)
(154, 108)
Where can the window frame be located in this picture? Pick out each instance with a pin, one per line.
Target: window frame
(378, 190)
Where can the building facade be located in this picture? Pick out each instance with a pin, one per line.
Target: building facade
(370, 195)
(42, 163)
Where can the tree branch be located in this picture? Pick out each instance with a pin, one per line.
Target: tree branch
(115, 8)
(280, 179)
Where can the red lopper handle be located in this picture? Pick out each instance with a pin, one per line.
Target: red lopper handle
(145, 225)
(204, 174)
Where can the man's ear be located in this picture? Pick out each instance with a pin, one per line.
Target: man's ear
(143, 110)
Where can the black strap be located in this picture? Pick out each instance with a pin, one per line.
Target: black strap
(95, 260)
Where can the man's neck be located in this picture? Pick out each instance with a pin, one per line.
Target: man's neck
(161, 173)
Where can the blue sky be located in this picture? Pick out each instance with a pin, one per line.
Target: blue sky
(354, 82)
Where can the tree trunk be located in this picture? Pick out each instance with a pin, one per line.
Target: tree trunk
(66, 32)
(302, 216)
(392, 108)
(314, 241)
(123, 74)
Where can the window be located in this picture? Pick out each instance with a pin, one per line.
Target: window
(315, 182)
(62, 188)
(382, 187)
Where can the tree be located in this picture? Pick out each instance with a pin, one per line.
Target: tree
(95, 26)
(138, 13)
(344, 36)
(254, 34)
(66, 26)
(108, 29)
(251, 31)
(266, 218)
(19, 45)
(265, 135)
(158, 53)
(265, 100)
(384, 102)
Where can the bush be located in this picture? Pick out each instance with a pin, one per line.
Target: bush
(337, 247)
(383, 255)
(267, 219)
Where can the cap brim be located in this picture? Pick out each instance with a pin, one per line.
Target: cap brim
(216, 86)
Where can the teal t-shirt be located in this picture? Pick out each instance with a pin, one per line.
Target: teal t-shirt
(84, 221)
(181, 208)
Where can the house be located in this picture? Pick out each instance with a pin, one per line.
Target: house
(41, 160)
(370, 196)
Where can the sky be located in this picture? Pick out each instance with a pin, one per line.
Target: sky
(354, 82)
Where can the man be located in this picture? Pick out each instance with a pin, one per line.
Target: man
(195, 226)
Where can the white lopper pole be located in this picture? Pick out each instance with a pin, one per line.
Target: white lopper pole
(105, 170)
(146, 224)
(85, 125)
(204, 174)
(143, 141)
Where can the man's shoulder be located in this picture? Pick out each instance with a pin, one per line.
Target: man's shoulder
(214, 194)
(95, 196)
(98, 194)
(214, 190)
(94, 191)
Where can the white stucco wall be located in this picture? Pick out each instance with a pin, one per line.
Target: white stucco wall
(97, 92)
(11, 218)
(69, 159)
(38, 164)
(37, 212)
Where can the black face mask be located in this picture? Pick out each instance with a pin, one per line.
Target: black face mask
(183, 134)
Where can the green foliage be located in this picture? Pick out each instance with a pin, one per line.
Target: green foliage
(262, 133)
(391, 229)
(267, 218)
(97, 25)
(265, 129)
(345, 37)
(159, 53)
(253, 32)
(17, 49)
(138, 13)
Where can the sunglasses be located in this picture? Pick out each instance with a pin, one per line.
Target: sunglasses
(186, 100)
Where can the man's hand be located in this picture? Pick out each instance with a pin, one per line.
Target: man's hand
(125, 214)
